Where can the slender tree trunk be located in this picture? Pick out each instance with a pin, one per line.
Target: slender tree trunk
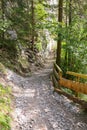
(70, 12)
(33, 29)
(70, 21)
(3, 17)
(60, 13)
(66, 52)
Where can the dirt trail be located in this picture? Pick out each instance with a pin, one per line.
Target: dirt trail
(36, 107)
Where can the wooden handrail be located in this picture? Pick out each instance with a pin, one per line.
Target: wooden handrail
(77, 74)
(56, 74)
(58, 69)
(76, 86)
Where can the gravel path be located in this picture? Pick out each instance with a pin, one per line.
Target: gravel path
(36, 107)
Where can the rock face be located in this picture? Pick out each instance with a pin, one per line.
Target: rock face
(36, 107)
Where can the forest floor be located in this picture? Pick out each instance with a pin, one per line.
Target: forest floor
(36, 107)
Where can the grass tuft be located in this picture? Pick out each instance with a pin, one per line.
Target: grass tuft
(5, 109)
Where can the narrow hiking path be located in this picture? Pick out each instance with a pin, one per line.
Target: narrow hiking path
(36, 107)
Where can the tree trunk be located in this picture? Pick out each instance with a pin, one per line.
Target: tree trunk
(3, 17)
(70, 21)
(33, 29)
(70, 12)
(60, 13)
(66, 51)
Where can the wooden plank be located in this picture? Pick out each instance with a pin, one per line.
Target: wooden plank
(55, 74)
(77, 74)
(76, 100)
(76, 86)
(55, 82)
(58, 69)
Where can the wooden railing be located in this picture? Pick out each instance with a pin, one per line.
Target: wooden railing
(77, 75)
(59, 82)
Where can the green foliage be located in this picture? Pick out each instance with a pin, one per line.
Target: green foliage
(83, 96)
(40, 12)
(5, 107)
(39, 46)
(75, 48)
(67, 91)
(4, 24)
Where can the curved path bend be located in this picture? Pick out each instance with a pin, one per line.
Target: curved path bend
(36, 107)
